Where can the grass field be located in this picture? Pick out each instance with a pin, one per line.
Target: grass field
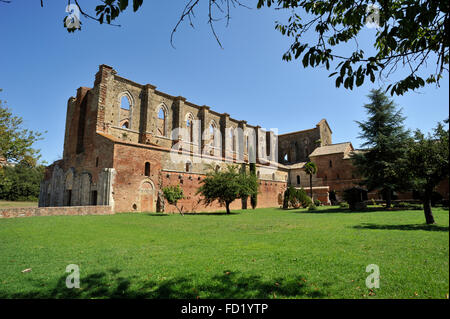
(265, 253)
(8, 204)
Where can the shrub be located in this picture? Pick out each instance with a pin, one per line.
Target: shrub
(353, 196)
(401, 205)
(295, 198)
(317, 202)
(405, 205)
(343, 205)
(303, 198)
(312, 207)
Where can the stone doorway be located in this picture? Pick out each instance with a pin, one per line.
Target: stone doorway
(146, 194)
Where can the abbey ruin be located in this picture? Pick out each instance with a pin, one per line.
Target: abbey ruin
(125, 141)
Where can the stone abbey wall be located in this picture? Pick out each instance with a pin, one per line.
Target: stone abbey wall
(125, 141)
(108, 147)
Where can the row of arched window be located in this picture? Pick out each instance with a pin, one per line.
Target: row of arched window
(125, 115)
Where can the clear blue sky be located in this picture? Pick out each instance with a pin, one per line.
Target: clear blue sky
(42, 65)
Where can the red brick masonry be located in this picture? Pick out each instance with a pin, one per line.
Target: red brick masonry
(53, 211)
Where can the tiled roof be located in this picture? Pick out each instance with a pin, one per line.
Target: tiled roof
(332, 149)
(295, 166)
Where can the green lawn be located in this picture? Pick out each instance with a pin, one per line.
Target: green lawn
(265, 253)
(8, 204)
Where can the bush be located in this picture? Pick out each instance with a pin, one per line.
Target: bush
(317, 202)
(405, 205)
(295, 198)
(312, 206)
(343, 205)
(20, 182)
(353, 196)
(401, 205)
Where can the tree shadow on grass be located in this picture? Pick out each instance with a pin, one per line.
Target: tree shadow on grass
(338, 210)
(194, 214)
(404, 227)
(228, 285)
(156, 214)
(212, 214)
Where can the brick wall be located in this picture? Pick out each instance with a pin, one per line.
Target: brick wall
(54, 211)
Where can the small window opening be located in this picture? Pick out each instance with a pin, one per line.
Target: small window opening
(94, 198)
(125, 103)
(161, 122)
(147, 169)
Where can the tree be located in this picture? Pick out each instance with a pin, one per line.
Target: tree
(21, 182)
(173, 194)
(384, 164)
(310, 169)
(227, 185)
(16, 142)
(254, 197)
(428, 162)
(410, 35)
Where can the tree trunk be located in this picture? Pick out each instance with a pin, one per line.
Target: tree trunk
(427, 208)
(310, 187)
(180, 210)
(388, 198)
(227, 205)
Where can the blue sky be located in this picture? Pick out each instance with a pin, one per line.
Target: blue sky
(42, 65)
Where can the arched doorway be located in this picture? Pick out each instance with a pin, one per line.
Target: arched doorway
(146, 194)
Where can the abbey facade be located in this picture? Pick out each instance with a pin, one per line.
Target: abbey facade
(125, 141)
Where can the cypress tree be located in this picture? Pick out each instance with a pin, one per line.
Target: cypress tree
(254, 197)
(383, 165)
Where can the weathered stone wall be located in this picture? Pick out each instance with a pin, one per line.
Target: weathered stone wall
(443, 188)
(296, 147)
(134, 191)
(299, 173)
(340, 175)
(146, 102)
(54, 211)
